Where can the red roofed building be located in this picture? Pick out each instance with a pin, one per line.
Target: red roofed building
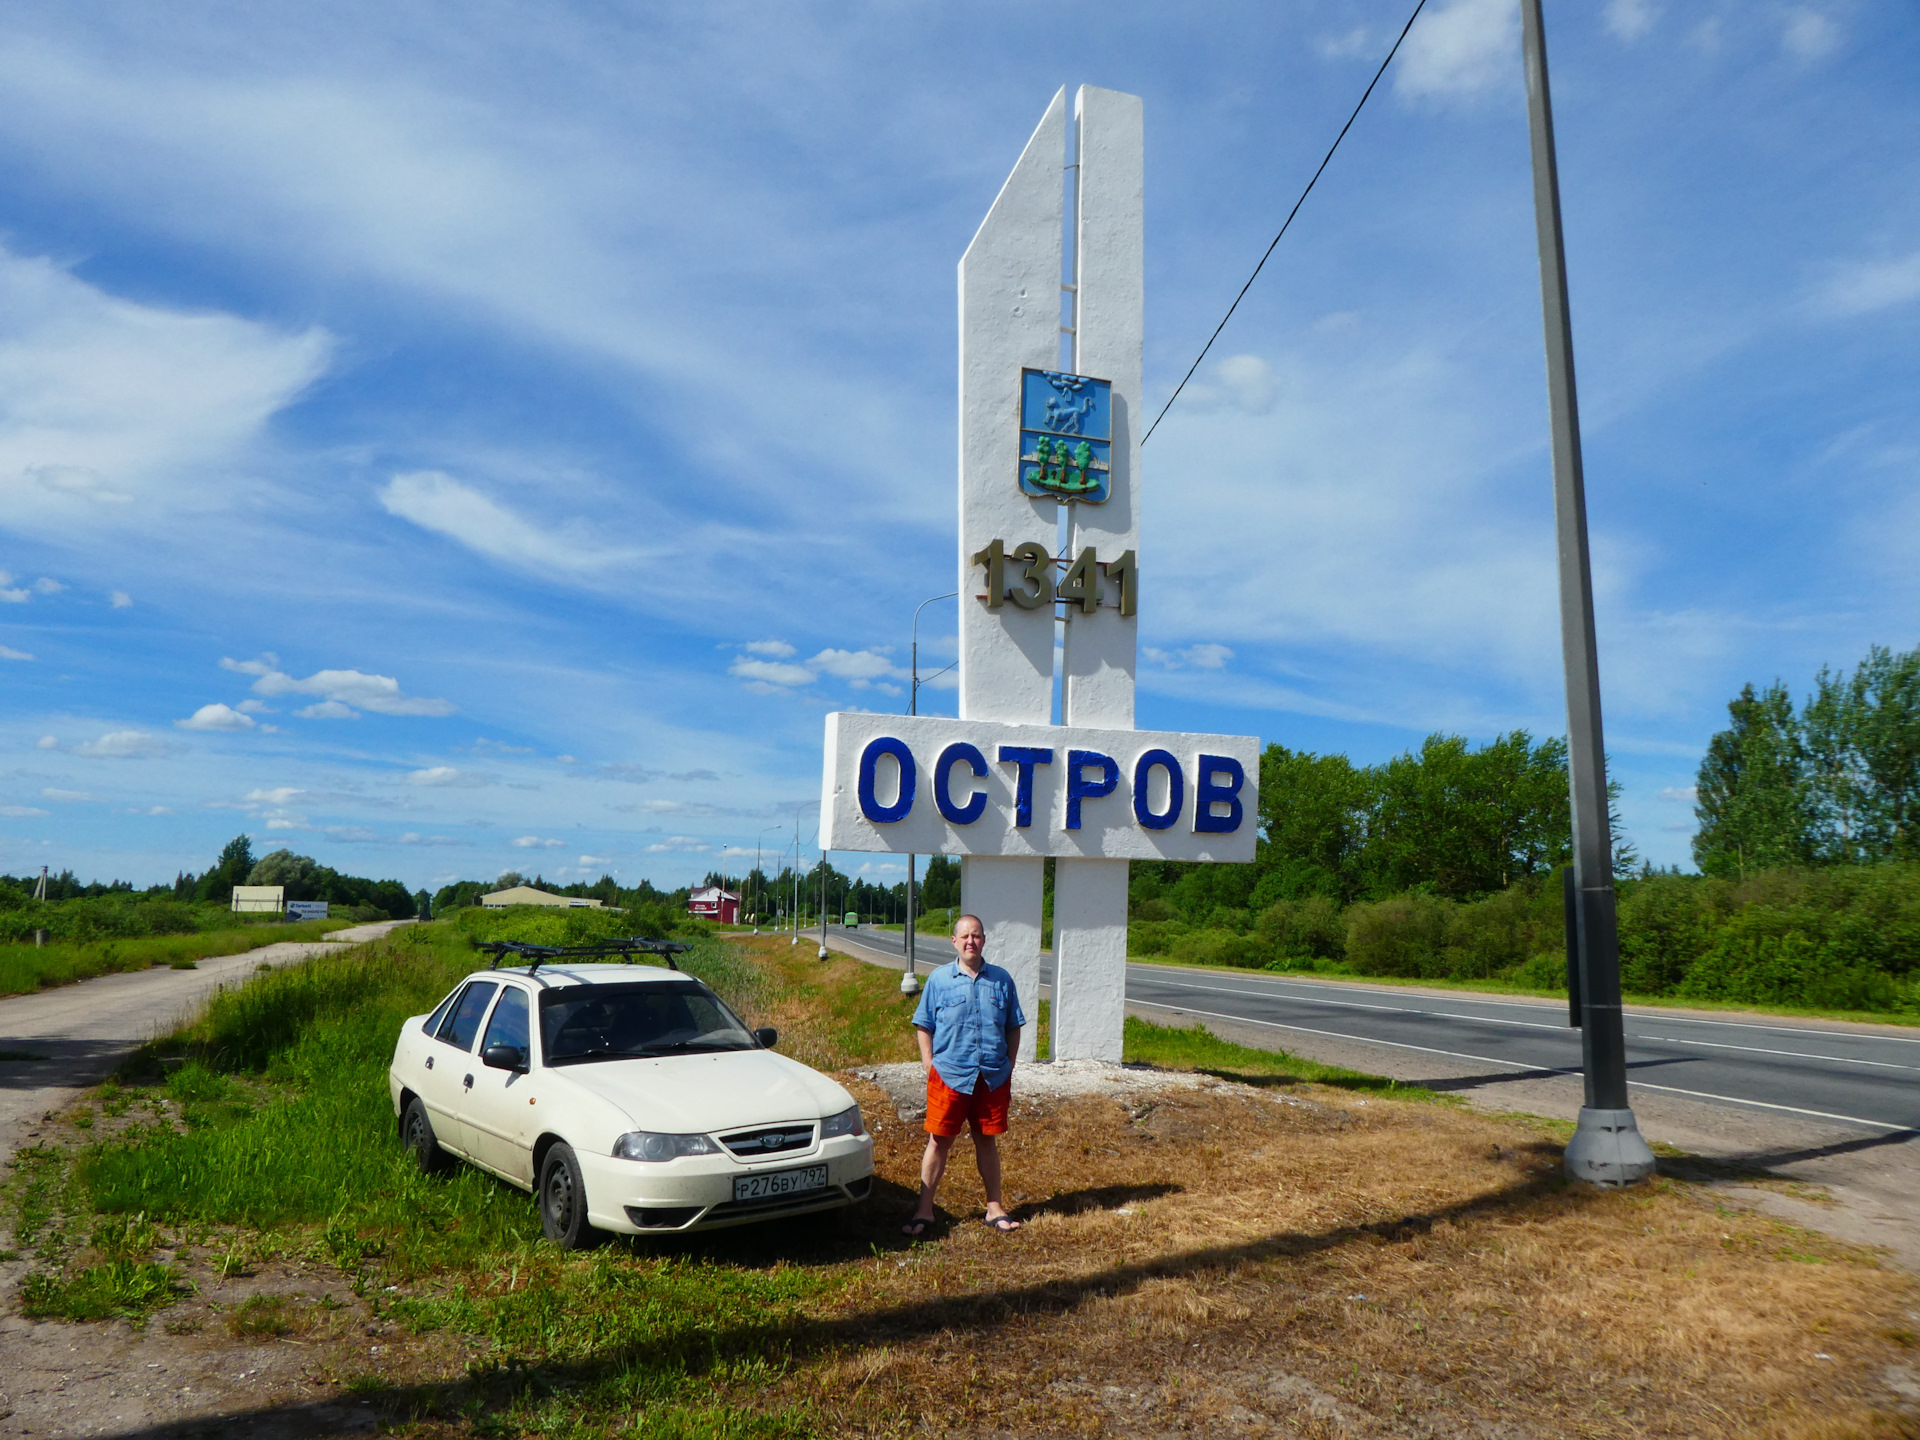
(712, 903)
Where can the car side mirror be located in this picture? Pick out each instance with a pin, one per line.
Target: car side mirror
(504, 1057)
(767, 1036)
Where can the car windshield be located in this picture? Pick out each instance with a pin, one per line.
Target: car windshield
(622, 1022)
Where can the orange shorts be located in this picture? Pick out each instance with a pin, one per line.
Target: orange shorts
(948, 1111)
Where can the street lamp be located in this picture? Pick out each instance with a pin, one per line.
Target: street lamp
(909, 982)
(759, 872)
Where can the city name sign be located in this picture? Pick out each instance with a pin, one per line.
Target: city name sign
(928, 785)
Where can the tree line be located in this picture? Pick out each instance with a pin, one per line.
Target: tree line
(1835, 781)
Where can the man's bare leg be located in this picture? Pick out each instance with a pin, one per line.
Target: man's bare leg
(933, 1167)
(986, 1154)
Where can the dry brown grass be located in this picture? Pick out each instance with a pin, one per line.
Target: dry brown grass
(1310, 1264)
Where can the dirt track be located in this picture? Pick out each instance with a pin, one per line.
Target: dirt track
(80, 1032)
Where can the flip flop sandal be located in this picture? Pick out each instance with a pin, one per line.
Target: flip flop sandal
(1004, 1224)
(915, 1228)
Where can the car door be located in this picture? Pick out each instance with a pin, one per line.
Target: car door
(495, 1115)
(451, 1062)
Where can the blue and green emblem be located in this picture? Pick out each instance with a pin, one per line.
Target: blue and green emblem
(1066, 436)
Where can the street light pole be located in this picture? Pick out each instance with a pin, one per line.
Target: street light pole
(909, 982)
(1607, 1147)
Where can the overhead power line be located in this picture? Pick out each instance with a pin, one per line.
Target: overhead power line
(1421, 5)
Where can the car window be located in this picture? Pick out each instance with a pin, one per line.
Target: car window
(509, 1023)
(613, 1022)
(432, 1024)
(463, 1021)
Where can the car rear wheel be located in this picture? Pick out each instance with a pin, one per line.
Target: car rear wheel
(563, 1200)
(416, 1132)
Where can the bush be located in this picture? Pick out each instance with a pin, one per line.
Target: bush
(1309, 929)
(1405, 936)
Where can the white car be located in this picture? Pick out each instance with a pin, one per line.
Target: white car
(627, 1098)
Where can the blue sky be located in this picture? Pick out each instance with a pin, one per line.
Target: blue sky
(449, 438)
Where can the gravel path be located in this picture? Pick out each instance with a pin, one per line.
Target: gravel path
(79, 1033)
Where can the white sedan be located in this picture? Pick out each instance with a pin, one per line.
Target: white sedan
(627, 1098)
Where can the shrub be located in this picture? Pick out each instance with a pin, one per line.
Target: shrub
(1308, 929)
(1405, 936)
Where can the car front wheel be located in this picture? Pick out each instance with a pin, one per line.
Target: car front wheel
(416, 1132)
(563, 1200)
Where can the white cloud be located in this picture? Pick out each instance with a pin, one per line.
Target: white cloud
(685, 844)
(122, 600)
(66, 797)
(328, 710)
(771, 672)
(1866, 285)
(281, 795)
(21, 812)
(1810, 35)
(149, 810)
(378, 693)
(1205, 656)
(107, 405)
(771, 649)
(1356, 41)
(1468, 47)
(534, 842)
(1235, 382)
(46, 585)
(255, 707)
(1630, 19)
(436, 501)
(7, 652)
(216, 717)
(15, 595)
(859, 668)
(411, 838)
(447, 775)
(46, 742)
(592, 860)
(1687, 794)
(123, 745)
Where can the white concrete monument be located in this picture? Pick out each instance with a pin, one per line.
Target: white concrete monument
(1046, 425)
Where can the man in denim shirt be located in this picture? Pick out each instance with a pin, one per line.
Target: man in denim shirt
(968, 1025)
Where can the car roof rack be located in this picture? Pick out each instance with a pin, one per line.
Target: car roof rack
(538, 955)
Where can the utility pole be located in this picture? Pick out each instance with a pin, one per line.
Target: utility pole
(823, 906)
(1607, 1147)
(910, 982)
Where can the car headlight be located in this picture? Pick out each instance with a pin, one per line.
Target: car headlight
(646, 1145)
(847, 1122)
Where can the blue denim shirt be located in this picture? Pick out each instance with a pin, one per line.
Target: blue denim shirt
(968, 1019)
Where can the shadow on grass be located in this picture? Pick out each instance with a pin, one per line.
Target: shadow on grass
(692, 1350)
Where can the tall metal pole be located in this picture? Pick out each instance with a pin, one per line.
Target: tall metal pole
(1607, 1147)
(909, 982)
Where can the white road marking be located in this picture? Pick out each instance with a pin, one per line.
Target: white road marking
(1529, 1025)
(1519, 1069)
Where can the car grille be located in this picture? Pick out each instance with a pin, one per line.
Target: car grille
(773, 1140)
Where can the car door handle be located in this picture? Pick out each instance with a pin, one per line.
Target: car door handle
(429, 1062)
(468, 1082)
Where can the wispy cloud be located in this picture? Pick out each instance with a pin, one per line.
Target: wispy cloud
(123, 745)
(343, 690)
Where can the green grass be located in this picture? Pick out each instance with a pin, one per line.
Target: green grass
(1174, 1047)
(288, 1143)
(130, 1289)
(27, 968)
(1310, 970)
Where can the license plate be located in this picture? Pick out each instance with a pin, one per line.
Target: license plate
(779, 1182)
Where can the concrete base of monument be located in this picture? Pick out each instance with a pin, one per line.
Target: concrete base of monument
(906, 1083)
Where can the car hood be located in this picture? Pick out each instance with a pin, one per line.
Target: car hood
(698, 1094)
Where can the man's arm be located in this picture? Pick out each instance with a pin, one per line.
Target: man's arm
(925, 1037)
(1013, 1046)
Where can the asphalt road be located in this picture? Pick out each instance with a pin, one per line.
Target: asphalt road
(1865, 1076)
